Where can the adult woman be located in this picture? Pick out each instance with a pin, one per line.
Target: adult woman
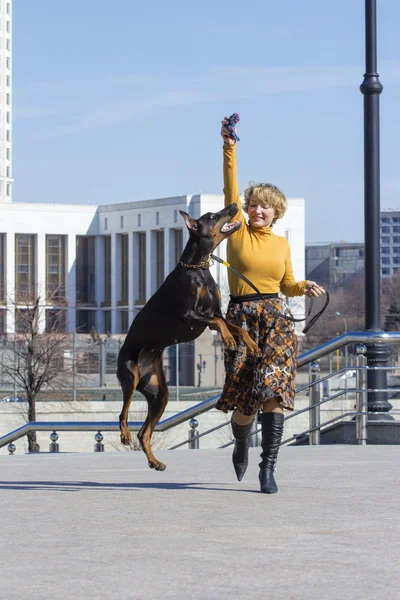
(266, 382)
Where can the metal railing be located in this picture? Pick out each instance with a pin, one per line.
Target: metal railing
(315, 426)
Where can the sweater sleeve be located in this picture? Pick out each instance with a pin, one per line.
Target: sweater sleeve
(231, 189)
(288, 285)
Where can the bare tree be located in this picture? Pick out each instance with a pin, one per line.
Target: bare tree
(35, 360)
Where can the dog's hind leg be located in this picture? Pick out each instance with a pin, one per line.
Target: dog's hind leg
(153, 386)
(128, 375)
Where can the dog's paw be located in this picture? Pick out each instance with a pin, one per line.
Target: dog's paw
(126, 438)
(254, 349)
(229, 343)
(157, 465)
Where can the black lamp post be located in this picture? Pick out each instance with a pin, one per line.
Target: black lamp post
(377, 354)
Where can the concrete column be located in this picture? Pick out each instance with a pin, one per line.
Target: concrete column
(99, 282)
(148, 264)
(114, 290)
(41, 278)
(71, 281)
(10, 279)
(131, 278)
(167, 239)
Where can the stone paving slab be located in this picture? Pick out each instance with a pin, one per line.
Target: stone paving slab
(104, 526)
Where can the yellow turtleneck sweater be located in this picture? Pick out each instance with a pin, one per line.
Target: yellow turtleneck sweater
(257, 253)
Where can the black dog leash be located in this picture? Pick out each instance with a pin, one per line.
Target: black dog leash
(277, 314)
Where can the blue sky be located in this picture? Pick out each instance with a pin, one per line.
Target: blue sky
(121, 101)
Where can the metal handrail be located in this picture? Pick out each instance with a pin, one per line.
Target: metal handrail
(350, 337)
(164, 425)
(352, 413)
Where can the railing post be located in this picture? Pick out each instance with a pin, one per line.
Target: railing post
(11, 448)
(99, 447)
(102, 363)
(314, 437)
(193, 435)
(361, 396)
(53, 446)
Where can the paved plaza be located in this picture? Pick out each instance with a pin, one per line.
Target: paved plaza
(104, 526)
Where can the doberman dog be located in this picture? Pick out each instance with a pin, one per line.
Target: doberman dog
(186, 303)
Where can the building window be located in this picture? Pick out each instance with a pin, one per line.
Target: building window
(396, 228)
(105, 224)
(175, 216)
(396, 219)
(396, 239)
(8, 99)
(25, 267)
(385, 260)
(107, 269)
(139, 220)
(396, 250)
(7, 135)
(2, 267)
(8, 66)
(7, 171)
(385, 229)
(385, 220)
(8, 189)
(396, 260)
(396, 269)
(157, 218)
(8, 153)
(8, 26)
(55, 321)
(55, 267)
(124, 270)
(178, 244)
(8, 44)
(385, 240)
(85, 270)
(85, 320)
(8, 8)
(3, 322)
(385, 271)
(23, 318)
(141, 247)
(107, 321)
(121, 220)
(385, 250)
(159, 257)
(7, 80)
(124, 321)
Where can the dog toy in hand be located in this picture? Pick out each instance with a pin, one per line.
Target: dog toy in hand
(230, 126)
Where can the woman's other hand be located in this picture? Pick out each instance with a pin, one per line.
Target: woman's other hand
(313, 289)
(225, 133)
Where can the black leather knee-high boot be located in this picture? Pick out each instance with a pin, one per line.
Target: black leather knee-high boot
(240, 456)
(272, 431)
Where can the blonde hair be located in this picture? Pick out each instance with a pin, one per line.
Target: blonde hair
(267, 195)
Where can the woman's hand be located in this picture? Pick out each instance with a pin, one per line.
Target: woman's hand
(313, 289)
(225, 133)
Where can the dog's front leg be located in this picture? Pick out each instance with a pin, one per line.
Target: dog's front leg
(243, 335)
(216, 323)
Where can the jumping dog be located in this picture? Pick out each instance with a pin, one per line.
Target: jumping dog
(186, 303)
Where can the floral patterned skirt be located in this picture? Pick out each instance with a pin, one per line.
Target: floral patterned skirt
(251, 380)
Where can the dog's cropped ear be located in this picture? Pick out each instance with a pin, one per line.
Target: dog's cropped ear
(190, 222)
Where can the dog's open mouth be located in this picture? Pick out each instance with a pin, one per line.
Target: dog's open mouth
(230, 227)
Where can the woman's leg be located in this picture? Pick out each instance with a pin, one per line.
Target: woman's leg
(272, 431)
